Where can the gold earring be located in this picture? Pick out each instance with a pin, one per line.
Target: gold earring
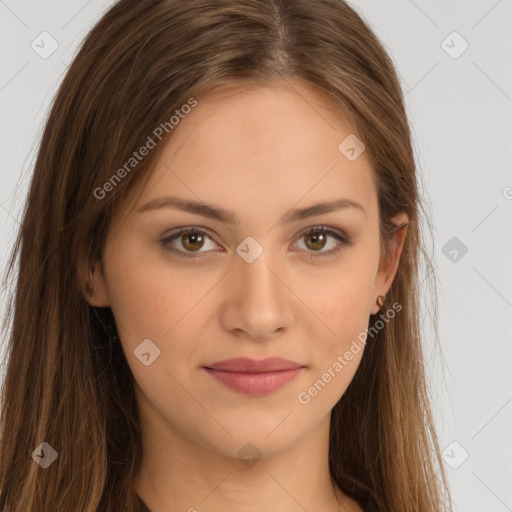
(380, 300)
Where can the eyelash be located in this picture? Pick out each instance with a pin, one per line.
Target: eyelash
(344, 242)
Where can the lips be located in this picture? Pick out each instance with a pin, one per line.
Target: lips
(246, 365)
(253, 377)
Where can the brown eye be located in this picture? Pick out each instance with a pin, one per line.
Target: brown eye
(188, 242)
(191, 240)
(317, 238)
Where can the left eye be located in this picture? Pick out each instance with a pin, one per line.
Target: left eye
(318, 236)
(192, 239)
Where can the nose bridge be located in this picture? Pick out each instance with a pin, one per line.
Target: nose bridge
(261, 297)
(257, 274)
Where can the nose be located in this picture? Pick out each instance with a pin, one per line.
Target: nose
(259, 302)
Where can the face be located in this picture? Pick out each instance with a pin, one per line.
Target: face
(250, 277)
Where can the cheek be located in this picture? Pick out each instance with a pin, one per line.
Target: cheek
(145, 297)
(342, 307)
(148, 307)
(151, 299)
(345, 291)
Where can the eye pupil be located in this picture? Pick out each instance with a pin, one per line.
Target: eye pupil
(316, 237)
(195, 237)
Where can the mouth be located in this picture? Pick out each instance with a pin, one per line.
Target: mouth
(253, 377)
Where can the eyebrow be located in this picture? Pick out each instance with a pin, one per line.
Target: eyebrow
(227, 217)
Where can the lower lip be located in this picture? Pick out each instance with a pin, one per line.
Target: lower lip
(254, 383)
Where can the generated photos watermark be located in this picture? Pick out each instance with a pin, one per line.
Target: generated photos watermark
(137, 156)
(304, 397)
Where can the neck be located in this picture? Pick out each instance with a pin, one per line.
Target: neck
(178, 474)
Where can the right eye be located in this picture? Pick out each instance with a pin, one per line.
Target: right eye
(191, 240)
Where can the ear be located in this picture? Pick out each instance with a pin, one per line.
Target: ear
(93, 284)
(387, 270)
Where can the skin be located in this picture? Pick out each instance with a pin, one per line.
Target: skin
(258, 153)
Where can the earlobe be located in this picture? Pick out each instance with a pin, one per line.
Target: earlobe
(94, 286)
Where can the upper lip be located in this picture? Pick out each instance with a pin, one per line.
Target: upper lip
(247, 365)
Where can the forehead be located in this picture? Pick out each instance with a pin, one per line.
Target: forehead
(268, 145)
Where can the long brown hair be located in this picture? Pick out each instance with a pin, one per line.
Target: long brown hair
(65, 383)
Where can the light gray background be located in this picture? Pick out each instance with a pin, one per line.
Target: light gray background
(460, 110)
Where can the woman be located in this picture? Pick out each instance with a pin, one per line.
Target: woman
(217, 302)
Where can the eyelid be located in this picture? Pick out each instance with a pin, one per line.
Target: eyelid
(340, 235)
